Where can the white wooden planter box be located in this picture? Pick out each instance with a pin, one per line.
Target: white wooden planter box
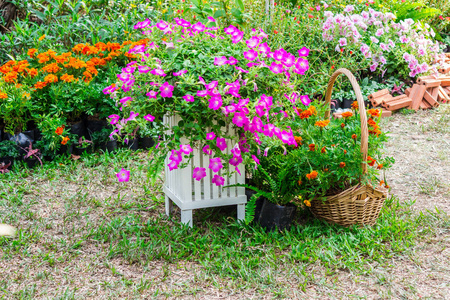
(188, 193)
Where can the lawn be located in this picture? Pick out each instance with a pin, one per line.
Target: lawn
(81, 234)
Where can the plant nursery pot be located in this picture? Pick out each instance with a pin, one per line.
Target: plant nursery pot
(31, 161)
(78, 150)
(109, 146)
(65, 150)
(94, 126)
(146, 142)
(133, 144)
(275, 216)
(79, 129)
(347, 103)
(22, 139)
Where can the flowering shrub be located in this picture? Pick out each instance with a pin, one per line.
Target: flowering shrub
(405, 47)
(57, 83)
(212, 78)
(327, 158)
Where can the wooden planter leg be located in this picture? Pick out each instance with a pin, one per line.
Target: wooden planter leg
(169, 206)
(241, 212)
(186, 217)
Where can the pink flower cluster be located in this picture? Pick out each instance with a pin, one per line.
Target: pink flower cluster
(377, 35)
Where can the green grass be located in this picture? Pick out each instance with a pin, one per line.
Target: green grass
(65, 209)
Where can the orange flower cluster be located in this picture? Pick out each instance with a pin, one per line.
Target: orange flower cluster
(298, 140)
(65, 140)
(66, 67)
(347, 114)
(324, 150)
(355, 105)
(341, 164)
(305, 114)
(312, 175)
(59, 130)
(322, 123)
(354, 136)
(374, 112)
(3, 95)
(374, 128)
(312, 147)
(370, 161)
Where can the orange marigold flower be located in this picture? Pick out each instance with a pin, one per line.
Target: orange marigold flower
(5, 69)
(65, 140)
(26, 95)
(374, 112)
(380, 166)
(51, 78)
(322, 123)
(345, 151)
(87, 76)
(341, 164)
(31, 52)
(113, 46)
(59, 130)
(312, 147)
(298, 140)
(324, 150)
(347, 114)
(354, 136)
(299, 182)
(3, 95)
(342, 125)
(40, 85)
(307, 203)
(51, 68)
(305, 114)
(43, 58)
(32, 72)
(11, 77)
(370, 161)
(67, 78)
(355, 105)
(42, 37)
(312, 175)
(381, 182)
(371, 122)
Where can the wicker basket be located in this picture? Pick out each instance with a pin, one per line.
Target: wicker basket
(361, 204)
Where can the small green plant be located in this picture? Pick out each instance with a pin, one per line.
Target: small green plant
(83, 142)
(9, 149)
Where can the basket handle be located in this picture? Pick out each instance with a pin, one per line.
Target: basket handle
(361, 107)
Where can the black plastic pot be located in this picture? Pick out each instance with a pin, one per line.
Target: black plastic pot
(78, 150)
(64, 149)
(31, 161)
(78, 129)
(133, 144)
(346, 103)
(146, 142)
(334, 104)
(109, 146)
(94, 126)
(22, 139)
(276, 216)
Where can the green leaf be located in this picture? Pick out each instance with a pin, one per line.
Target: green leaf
(240, 5)
(219, 13)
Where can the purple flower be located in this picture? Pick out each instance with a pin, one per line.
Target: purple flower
(303, 52)
(255, 159)
(373, 67)
(210, 136)
(152, 94)
(114, 119)
(198, 27)
(183, 23)
(186, 149)
(199, 173)
(132, 116)
(109, 90)
(123, 175)
(166, 90)
(279, 54)
(232, 60)
(220, 61)
(252, 42)
(240, 69)
(250, 54)
(218, 180)
(149, 118)
(276, 68)
(215, 164)
(343, 42)
(211, 19)
(124, 100)
(235, 160)
(230, 29)
(202, 93)
(179, 73)
(215, 103)
(212, 85)
(158, 72)
(305, 100)
(221, 143)
(188, 98)
(173, 165)
(161, 25)
(207, 150)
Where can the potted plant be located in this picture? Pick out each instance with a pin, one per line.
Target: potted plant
(8, 153)
(213, 93)
(82, 146)
(103, 140)
(32, 156)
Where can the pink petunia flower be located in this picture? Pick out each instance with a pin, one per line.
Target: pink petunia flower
(207, 150)
(198, 27)
(252, 42)
(232, 60)
(173, 165)
(303, 52)
(218, 180)
(114, 119)
(188, 98)
(186, 149)
(220, 61)
(221, 143)
(152, 94)
(215, 103)
(210, 136)
(215, 164)
(123, 175)
(149, 118)
(166, 90)
(305, 100)
(276, 68)
(179, 73)
(250, 54)
(161, 25)
(235, 161)
(199, 173)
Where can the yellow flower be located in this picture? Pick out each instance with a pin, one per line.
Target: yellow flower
(42, 37)
(307, 203)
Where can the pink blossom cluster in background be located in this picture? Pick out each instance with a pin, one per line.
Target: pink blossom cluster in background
(379, 37)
